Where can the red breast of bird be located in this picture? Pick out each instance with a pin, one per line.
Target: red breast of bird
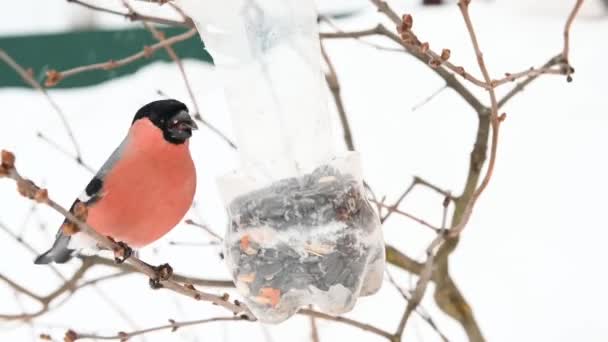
(148, 165)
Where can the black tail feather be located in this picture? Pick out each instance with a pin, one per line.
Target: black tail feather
(59, 253)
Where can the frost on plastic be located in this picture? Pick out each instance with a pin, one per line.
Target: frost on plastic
(301, 229)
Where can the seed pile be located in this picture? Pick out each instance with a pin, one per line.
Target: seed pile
(302, 235)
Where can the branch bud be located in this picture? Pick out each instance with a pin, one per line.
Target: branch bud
(27, 188)
(69, 228)
(148, 52)
(424, 47)
(164, 271)
(445, 54)
(41, 196)
(434, 63)
(174, 325)
(52, 78)
(111, 64)
(407, 22)
(8, 160)
(70, 336)
(81, 211)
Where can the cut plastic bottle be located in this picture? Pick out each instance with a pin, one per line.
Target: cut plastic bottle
(301, 228)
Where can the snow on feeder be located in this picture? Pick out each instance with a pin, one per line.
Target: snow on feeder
(301, 229)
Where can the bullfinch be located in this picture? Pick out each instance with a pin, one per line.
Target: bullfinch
(144, 189)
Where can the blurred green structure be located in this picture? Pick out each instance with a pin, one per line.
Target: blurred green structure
(62, 51)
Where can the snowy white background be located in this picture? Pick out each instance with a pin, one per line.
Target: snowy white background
(531, 262)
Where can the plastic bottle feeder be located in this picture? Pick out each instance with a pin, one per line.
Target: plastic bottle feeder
(301, 229)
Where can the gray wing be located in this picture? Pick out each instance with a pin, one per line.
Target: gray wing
(61, 252)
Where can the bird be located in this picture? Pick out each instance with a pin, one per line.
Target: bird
(144, 188)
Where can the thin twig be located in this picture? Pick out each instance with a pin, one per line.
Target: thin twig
(98, 280)
(27, 77)
(416, 47)
(334, 86)
(113, 304)
(205, 228)
(430, 97)
(511, 77)
(184, 279)
(30, 324)
(63, 151)
(54, 76)
(333, 25)
(391, 209)
(160, 36)
(135, 16)
(173, 326)
(194, 244)
(340, 319)
(567, 27)
(415, 181)
(314, 329)
(423, 281)
(556, 60)
(45, 301)
(419, 310)
(199, 118)
(30, 249)
(449, 77)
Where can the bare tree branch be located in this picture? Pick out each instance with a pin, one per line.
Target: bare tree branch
(447, 295)
(63, 151)
(54, 76)
(30, 249)
(314, 329)
(567, 27)
(434, 269)
(160, 36)
(449, 77)
(556, 60)
(334, 86)
(30, 190)
(72, 336)
(419, 310)
(205, 228)
(430, 97)
(27, 77)
(393, 209)
(44, 301)
(134, 16)
(124, 267)
(341, 319)
(415, 181)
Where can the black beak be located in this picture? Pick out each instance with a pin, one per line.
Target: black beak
(183, 121)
